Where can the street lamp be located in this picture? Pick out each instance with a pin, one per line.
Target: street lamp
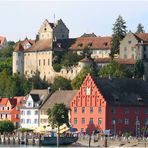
(137, 127)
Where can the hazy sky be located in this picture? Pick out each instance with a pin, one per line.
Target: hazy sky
(24, 18)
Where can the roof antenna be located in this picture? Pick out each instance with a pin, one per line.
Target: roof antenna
(54, 18)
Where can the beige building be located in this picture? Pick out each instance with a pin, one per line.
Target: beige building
(60, 96)
(31, 56)
(134, 46)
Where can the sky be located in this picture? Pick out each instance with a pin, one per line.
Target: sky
(24, 18)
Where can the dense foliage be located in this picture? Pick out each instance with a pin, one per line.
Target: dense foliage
(61, 83)
(140, 28)
(58, 115)
(112, 69)
(119, 32)
(139, 69)
(6, 126)
(6, 57)
(77, 81)
(65, 59)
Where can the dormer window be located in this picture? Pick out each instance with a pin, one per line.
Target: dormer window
(129, 42)
(45, 29)
(89, 44)
(80, 45)
(105, 44)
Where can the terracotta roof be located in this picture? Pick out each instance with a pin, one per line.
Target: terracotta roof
(41, 45)
(143, 36)
(82, 43)
(118, 60)
(123, 91)
(3, 101)
(62, 96)
(2, 39)
(20, 45)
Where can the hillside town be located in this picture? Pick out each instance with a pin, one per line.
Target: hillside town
(101, 80)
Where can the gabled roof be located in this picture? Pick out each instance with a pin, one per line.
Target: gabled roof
(20, 45)
(41, 45)
(123, 91)
(143, 36)
(62, 96)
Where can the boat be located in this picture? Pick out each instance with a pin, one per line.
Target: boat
(62, 140)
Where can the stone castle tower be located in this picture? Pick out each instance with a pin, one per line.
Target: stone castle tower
(31, 56)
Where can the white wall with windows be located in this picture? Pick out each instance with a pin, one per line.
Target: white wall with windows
(29, 115)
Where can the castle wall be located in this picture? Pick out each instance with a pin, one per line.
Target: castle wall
(39, 61)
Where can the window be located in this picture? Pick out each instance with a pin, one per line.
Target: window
(113, 110)
(99, 109)
(29, 104)
(39, 62)
(35, 121)
(28, 121)
(6, 116)
(88, 90)
(91, 121)
(7, 108)
(48, 62)
(83, 109)
(126, 121)
(22, 121)
(91, 109)
(44, 62)
(125, 49)
(126, 110)
(113, 121)
(99, 121)
(83, 120)
(36, 112)
(75, 109)
(28, 112)
(146, 110)
(75, 121)
(137, 110)
(129, 42)
(132, 56)
(146, 121)
(119, 121)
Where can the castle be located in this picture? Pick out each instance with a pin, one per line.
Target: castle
(31, 56)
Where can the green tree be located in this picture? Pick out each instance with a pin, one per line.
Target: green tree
(78, 80)
(61, 83)
(37, 82)
(140, 28)
(112, 69)
(139, 69)
(119, 32)
(58, 115)
(70, 58)
(6, 126)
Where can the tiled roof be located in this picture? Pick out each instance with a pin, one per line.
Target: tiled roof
(62, 96)
(20, 44)
(2, 39)
(41, 45)
(118, 60)
(91, 43)
(123, 91)
(3, 101)
(143, 36)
